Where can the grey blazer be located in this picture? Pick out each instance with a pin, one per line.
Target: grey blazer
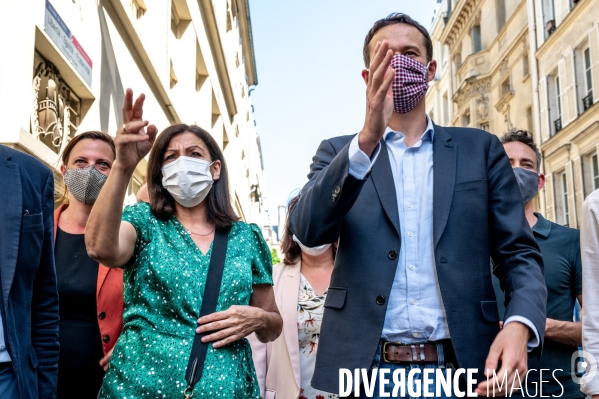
(477, 214)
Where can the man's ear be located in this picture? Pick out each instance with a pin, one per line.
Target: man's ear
(541, 181)
(432, 70)
(365, 75)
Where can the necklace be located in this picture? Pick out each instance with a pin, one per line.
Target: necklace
(201, 235)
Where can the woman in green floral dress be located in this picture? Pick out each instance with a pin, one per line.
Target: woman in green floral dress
(164, 248)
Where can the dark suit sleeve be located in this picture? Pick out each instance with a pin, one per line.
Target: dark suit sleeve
(517, 260)
(326, 198)
(44, 312)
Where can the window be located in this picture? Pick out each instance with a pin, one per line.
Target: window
(561, 199)
(466, 118)
(565, 196)
(554, 103)
(505, 87)
(476, 40)
(548, 8)
(484, 126)
(590, 165)
(558, 98)
(525, 65)
(529, 120)
(500, 5)
(595, 172)
(587, 100)
(446, 109)
(457, 60)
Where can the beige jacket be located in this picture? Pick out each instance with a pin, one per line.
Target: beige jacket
(278, 362)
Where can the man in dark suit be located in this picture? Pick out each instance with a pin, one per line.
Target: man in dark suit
(29, 311)
(419, 210)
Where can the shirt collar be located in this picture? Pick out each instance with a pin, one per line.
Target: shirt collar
(430, 130)
(542, 227)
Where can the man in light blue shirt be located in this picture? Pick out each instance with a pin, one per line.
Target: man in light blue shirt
(418, 210)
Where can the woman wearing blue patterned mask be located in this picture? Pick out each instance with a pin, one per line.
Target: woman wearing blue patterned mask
(90, 294)
(165, 250)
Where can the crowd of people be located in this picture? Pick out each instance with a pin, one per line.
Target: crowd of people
(412, 246)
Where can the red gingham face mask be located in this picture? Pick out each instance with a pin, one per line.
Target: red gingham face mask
(410, 83)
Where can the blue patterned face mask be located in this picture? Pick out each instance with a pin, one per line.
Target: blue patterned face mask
(85, 184)
(528, 182)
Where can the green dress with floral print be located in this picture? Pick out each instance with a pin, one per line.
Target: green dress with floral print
(164, 284)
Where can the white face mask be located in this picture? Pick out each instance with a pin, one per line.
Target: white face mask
(188, 180)
(316, 251)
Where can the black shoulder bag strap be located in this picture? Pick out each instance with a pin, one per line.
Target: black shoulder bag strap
(209, 302)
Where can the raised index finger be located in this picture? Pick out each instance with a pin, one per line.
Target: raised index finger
(127, 103)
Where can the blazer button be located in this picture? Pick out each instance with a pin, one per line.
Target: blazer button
(443, 260)
(393, 254)
(380, 300)
(106, 339)
(102, 316)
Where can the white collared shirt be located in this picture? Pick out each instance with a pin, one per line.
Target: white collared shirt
(589, 246)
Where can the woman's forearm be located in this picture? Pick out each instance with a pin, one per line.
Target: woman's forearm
(273, 324)
(102, 233)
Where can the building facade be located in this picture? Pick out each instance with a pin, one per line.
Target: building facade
(489, 73)
(66, 64)
(483, 78)
(566, 86)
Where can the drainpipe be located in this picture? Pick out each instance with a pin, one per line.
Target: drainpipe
(534, 70)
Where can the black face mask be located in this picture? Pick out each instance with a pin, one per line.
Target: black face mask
(528, 182)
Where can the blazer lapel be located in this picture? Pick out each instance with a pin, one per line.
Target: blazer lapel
(444, 161)
(382, 177)
(289, 297)
(102, 273)
(11, 213)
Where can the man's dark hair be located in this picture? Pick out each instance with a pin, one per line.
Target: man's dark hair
(396, 18)
(524, 137)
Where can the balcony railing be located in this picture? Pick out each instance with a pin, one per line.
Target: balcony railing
(587, 102)
(558, 124)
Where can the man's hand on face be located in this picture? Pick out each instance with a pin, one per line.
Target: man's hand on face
(511, 349)
(379, 98)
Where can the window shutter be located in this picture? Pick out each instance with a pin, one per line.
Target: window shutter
(594, 46)
(540, 21)
(561, 70)
(578, 187)
(565, 8)
(549, 208)
(571, 87)
(557, 8)
(544, 111)
(571, 197)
